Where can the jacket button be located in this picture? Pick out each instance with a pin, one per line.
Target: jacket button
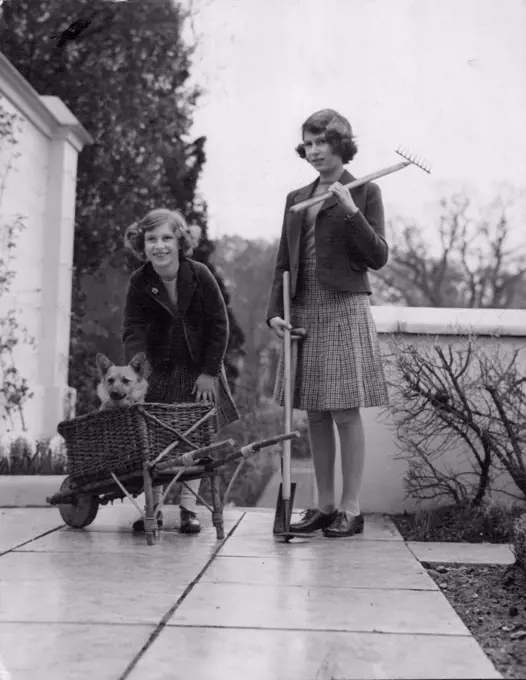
(328, 265)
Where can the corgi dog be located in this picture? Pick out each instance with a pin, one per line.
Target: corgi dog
(121, 386)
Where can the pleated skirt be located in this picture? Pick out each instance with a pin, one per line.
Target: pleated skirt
(174, 386)
(339, 363)
(173, 383)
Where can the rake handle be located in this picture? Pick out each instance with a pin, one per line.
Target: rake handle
(303, 205)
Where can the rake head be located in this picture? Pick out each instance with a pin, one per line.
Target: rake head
(414, 160)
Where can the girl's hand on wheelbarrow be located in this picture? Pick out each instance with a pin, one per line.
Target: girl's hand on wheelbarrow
(279, 325)
(204, 389)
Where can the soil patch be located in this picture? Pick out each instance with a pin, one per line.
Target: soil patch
(491, 601)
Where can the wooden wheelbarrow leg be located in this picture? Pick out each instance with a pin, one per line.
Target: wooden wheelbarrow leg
(217, 505)
(150, 521)
(151, 509)
(217, 513)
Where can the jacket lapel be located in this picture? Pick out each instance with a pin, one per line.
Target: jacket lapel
(296, 219)
(345, 178)
(186, 286)
(156, 289)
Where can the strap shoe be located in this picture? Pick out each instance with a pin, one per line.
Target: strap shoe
(312, 520)
(189, 522)
(344, 524)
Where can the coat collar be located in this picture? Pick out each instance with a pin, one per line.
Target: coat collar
(149, 280)
(307, 191)
(296, 219)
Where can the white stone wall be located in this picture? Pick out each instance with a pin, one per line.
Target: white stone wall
(504, 330)
(41, 189)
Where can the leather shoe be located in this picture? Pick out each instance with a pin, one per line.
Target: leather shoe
(189, 522)
(344, 524)
(138, 525)
(312, 520)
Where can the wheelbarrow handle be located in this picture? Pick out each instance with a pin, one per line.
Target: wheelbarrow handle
(193, 457)
(263, 443)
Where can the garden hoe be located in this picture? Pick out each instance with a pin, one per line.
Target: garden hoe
(287, 488)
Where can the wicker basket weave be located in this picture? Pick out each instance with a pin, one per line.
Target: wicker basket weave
(121, 440)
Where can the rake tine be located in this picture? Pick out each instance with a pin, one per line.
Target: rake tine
(413, 159)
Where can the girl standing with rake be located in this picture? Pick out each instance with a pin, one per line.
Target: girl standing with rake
(328, 250)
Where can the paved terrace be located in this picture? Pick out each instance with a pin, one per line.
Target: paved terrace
(98, 603)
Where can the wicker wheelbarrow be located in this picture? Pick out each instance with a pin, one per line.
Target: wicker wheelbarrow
(125, 452)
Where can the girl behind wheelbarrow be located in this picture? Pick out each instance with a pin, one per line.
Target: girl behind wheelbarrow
(328, 250)
(176, 315)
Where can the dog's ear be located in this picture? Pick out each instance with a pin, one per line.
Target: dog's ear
(103, 363)
(138, 363)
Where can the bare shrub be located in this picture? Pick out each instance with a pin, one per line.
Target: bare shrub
(459, 398)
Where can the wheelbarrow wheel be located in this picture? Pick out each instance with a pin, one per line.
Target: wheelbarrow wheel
(82, 511)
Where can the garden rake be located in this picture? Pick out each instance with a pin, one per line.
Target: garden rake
(410, 159)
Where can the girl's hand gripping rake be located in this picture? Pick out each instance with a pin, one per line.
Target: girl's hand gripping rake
(287, 488)
(409, 159)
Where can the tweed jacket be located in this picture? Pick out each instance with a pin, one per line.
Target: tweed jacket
(346, 246)
(149, 317)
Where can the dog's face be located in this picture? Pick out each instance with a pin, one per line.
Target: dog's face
(121, 385)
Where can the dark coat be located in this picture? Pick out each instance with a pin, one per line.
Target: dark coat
(148, 317)
(346, 247)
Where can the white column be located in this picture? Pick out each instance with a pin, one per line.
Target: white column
(57, 281)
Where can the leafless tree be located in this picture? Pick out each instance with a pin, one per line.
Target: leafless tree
(466, 260)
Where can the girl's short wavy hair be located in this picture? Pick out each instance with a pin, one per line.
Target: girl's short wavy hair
(337, 130)
(188, 237)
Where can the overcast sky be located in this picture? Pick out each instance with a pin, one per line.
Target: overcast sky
(446, 78)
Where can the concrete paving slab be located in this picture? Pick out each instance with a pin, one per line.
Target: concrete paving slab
(92, 543)
(359, 571)
(377, 527)
(173, 570)
(120, 516)
(112, 532)
(63, 651)
(380, 528)
(92, 597)
(97, 602)
(18, 525)
(237, 605)
(256, 544)
(463, 553)
(212, 653)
